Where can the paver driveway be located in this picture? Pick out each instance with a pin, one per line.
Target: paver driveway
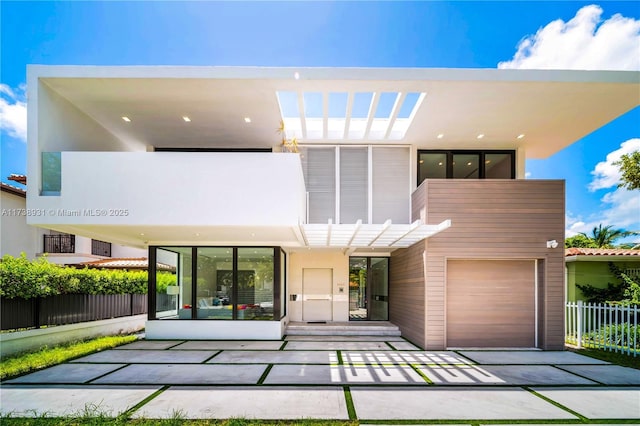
(368, 378)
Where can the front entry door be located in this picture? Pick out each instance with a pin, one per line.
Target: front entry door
(368, 288)
(317, 294)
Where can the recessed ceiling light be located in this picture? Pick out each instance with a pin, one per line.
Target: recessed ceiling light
(481, 135)
(247, 119)
(440, 163)
(197, 234)
(185, 118)
(487, 162)
(521, 135)
(421, 161)
(127, 119)
(469, 163)
(440, 136)
(296, 75)
(142, 234)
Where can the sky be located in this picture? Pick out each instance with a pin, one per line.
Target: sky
(461, 34)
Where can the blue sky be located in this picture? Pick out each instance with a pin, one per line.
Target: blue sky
(465, 34)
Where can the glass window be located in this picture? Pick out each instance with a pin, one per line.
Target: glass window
(432, 166)
(51, 173)
(283, 285)
(466, 166)
(173, 282)
(498, 166)
(214, 287)
(255, 283)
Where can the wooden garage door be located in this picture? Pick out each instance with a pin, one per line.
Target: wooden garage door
(490, 303)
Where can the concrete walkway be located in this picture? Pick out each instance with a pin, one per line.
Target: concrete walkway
(320, 377)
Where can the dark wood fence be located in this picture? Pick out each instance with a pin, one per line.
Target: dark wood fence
(68, 309)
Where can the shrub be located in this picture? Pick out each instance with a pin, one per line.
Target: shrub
(617, 334)
(22, 278)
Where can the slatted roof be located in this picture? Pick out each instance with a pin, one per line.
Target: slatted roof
(359, 235)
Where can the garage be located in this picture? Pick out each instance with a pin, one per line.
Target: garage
(490, 303)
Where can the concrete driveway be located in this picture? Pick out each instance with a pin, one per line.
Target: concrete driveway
(320, 377)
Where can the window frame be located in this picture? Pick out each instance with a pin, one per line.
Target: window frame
(480, 152)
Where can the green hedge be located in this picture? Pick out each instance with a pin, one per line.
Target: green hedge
(22, 278)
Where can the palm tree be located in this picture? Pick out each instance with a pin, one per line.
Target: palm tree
(605, 236)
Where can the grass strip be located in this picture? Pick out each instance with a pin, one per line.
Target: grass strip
(351, 409)
(421, 374)
(265, 374)
(340, 361)
(127, 414)
(612, 357)
(557, 404)
(283, 345)
(46, 357)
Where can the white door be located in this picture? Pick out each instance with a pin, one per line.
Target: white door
(317, 294)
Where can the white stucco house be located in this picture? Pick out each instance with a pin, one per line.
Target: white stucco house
(406, 201)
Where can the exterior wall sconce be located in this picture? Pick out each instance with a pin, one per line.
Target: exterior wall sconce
(551, 244)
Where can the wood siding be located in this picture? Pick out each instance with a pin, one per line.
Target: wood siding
(406, 292)
(499, 220)
(491, 303)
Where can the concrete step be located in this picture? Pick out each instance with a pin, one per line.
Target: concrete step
(342, 329)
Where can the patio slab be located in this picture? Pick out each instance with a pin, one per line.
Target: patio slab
(275, 357)
(67, 373)
(471, 375)
(380, 403)
(403, 357)
(66, 400)
(151, 344)
(248, 402)
(129, 356)
(529, 357)
(262, 345)
(321, 338)
(340, 374)
(334, 345)
(607, 374)
(185, 374)
(598, 403)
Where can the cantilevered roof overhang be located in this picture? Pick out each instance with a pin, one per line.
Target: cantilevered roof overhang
(359, 235)
(550, 108)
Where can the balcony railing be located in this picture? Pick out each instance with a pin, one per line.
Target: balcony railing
(100, 248)
(59, 243)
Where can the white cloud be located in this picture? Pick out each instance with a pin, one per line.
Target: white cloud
(584, 42)
(527, 175)
(606, 174)
(13, 112)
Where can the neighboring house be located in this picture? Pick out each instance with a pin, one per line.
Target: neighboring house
(59, 247)
(407, 201)
(591, 266)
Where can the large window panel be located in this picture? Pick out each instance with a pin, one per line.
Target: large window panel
(466, 166)
(214, 287)
(255, 283)
(173, 282)
(498, 166)
(354, 187)
(432, 165)
(391, 196)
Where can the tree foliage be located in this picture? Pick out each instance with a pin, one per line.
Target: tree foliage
(630, 170)
(606, 236)
(580, 240)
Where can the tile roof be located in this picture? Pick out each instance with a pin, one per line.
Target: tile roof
(124, 263)
(576, 251)
(18, 178)
(13, 189)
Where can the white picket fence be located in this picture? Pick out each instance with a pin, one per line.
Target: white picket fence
(603, 326)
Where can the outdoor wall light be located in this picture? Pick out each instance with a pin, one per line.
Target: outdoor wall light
(552, 244)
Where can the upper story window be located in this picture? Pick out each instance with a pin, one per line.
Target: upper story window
(439, 164)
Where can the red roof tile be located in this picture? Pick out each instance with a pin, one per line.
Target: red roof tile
(576, 251)
(124, 263)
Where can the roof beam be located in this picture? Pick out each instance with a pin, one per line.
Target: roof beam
(355, 232)
(347, 117)
(394, 113)
(329, 232)
(412, 228)
(372, 113)
(303, 115)
(386, 226)
(325, 115)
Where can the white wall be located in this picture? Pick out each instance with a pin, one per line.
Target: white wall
(16, 235)
(333, 259)
(169, 189)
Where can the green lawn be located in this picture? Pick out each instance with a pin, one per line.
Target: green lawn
(612, 357)
(46, 357)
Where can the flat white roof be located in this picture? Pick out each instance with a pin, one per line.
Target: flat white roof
(550, 108)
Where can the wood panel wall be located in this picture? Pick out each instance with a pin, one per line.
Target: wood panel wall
(494, 219)
(407, 292)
